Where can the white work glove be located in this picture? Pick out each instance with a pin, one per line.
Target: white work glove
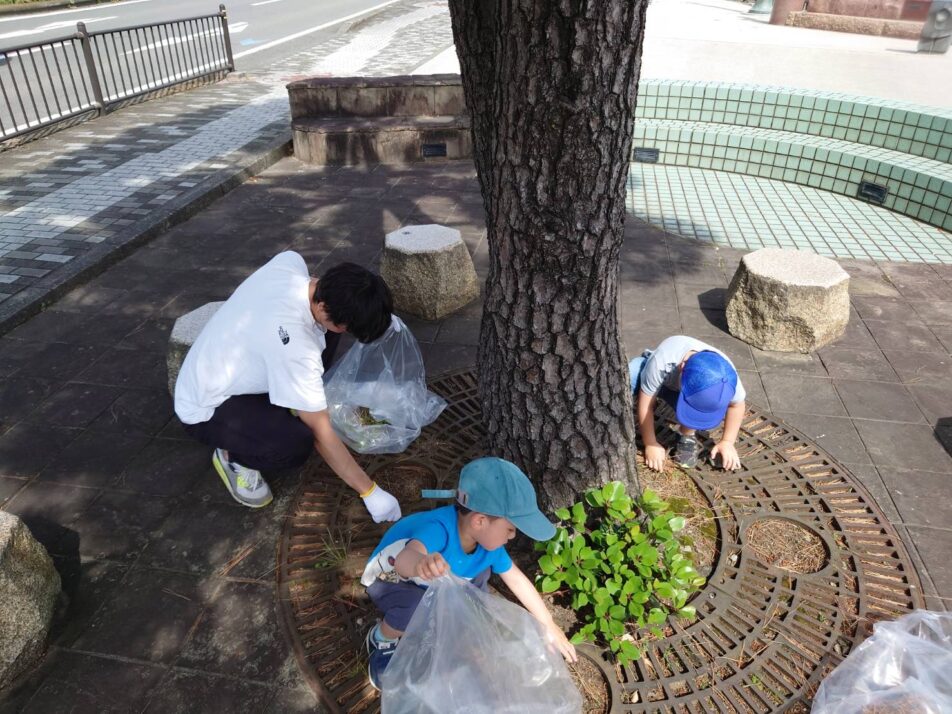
(381, 505)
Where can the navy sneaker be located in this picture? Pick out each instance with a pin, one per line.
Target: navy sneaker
(380, 654)
(686, 453)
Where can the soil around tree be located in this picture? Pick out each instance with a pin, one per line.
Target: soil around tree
(787, 545)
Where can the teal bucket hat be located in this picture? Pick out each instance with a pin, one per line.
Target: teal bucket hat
(498, 487)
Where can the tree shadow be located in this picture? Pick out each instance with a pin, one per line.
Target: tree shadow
(943, 433)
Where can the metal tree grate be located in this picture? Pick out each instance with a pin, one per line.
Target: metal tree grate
(764, 638)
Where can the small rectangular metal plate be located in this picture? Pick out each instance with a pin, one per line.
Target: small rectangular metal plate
(644, 155)
(872, 192)
(433, 150)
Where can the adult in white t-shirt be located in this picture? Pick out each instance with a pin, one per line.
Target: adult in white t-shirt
(252, 385)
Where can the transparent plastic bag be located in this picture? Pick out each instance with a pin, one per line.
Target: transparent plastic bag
(905, 667)
(377, 395)
(468, 651)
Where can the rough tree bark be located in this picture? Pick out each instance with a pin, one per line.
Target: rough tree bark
(551, 87)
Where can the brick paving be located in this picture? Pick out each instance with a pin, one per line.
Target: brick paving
(171, 583)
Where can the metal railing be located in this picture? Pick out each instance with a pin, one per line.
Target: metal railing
(89, 73)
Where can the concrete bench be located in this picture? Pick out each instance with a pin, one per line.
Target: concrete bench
(788, 300)
(184, 333)
(359, 121)
(429, 270)
(29, 588)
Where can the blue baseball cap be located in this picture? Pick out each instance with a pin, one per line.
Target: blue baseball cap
(498, 487)
(708, 383)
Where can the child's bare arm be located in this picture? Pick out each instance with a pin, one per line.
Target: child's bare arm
(526, 593)
(725, 447)
(654, 452)
(414, 562)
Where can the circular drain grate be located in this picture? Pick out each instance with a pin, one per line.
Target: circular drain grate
(765, 635)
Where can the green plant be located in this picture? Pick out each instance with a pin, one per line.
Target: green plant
(623, 564)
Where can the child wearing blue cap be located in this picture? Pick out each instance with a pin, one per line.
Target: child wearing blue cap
(700, 383)
(467, 538)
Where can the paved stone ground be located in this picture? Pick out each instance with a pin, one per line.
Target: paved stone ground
(72, 199)
(171, 583)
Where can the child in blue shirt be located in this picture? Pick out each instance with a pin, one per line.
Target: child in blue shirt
(468, 539)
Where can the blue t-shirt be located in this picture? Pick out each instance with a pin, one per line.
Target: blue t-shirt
(437, 530)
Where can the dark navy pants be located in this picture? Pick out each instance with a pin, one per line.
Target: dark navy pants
(258, 434)
(398, 601)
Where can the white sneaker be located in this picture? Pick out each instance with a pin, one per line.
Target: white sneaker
(245, 485)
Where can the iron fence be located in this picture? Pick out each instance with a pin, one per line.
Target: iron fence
(89, 73)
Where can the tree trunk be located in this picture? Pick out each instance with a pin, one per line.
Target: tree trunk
(551, 87)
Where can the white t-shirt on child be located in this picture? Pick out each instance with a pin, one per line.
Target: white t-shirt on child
(263, 340)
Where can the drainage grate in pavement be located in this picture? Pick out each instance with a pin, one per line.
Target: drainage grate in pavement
(765, 636)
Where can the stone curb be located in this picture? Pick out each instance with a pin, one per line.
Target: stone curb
(51, 5)
(32, 300)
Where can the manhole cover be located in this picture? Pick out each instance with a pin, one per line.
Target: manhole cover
(765, 637)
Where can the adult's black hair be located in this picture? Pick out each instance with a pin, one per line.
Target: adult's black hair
(356, 298)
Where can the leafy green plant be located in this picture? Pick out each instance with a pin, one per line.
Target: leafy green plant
(623, 564)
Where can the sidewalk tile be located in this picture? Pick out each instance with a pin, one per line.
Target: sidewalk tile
(802, 395)
(87, 585)
(149, 618)
(141, 411)
(48, 509)
(871, 479)
(127, 368)
(702, 322)
(85, 683)
(909, 446)
(920, 496)
(856, 336)
(934, 401)
(118, 526)
(945, 336)
(239, 635)
(878, 400)
(166, 467)
(94, 459)
(203, 536)
(184, 691)
(849, 363)
(753, 384)
(911, 335)
(934, 312)
(9, 486)
(884, 308)
(789, 363)
(446, 357)
(56, 361)
(934, 546)
(836, 435)
(19, 396)
(27, 448)
(921, 367)
(75, 405)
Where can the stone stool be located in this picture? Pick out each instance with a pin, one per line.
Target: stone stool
(184, 333)
(788, 300)
(29, 588)
(429, 270)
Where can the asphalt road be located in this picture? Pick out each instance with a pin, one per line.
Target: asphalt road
(262, 31)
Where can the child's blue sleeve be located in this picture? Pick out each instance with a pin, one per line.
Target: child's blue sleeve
(432, 535)
(502, 562)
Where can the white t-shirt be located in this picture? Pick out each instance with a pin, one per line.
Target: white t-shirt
(664, 366)
(263, 340)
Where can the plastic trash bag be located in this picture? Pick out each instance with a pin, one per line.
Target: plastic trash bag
(468, 651)
(377, 396)
(905, 667)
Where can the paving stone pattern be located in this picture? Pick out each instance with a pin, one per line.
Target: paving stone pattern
(88, 190)
(171, 583)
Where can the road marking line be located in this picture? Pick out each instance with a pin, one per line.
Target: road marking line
(266, 2)
(33, 15)
(296, 35)
(55, 26)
